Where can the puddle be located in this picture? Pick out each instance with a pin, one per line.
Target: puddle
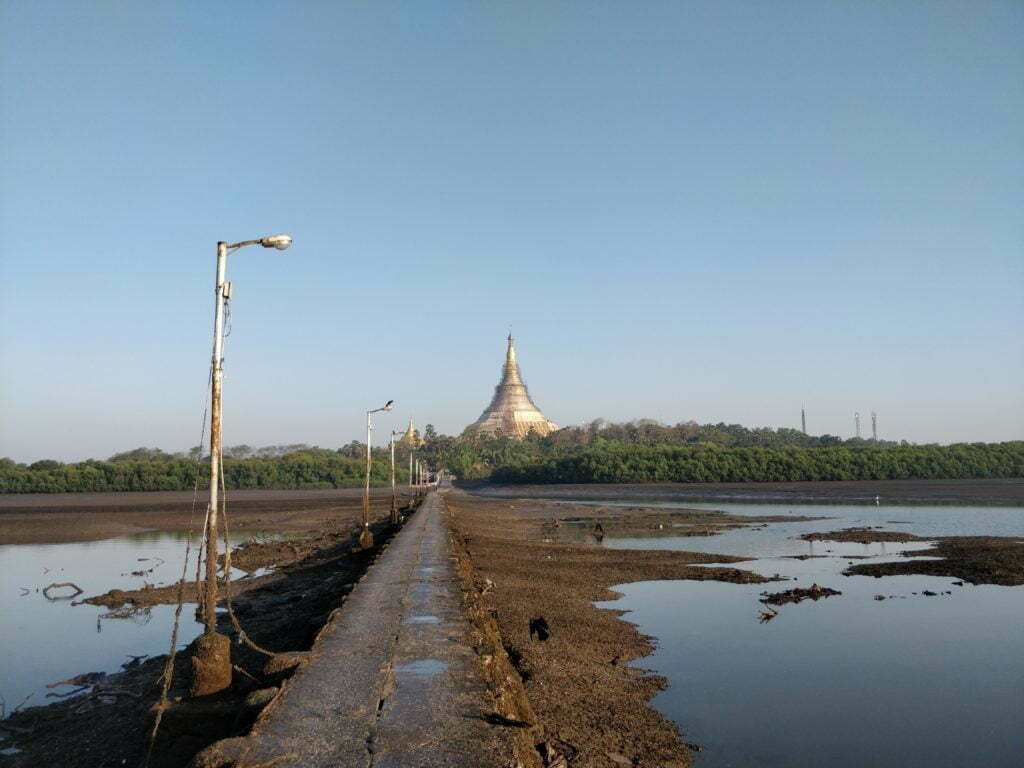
(422, 619)
(912, 680)
(421, 668)
(425, 570)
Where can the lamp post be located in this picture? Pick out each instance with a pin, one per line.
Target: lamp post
(366, 538)
(412, 453)
(211, 660)
(394, 509)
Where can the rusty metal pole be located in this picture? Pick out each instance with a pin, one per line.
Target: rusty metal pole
(366, 538)
(211, 661)
(394, 507)
(210, 598)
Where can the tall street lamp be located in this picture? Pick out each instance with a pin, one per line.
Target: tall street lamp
(394, 509)
(366, 538)
(211, 660)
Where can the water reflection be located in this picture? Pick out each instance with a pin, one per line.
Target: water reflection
(911, 680)
(45, 640)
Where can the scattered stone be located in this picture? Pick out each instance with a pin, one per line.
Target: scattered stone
(539, 627)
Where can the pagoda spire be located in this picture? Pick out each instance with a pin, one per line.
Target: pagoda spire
(512, 412)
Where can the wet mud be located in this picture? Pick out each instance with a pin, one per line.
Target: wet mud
(973, 559)
(798, 595)
(536, 560)
(998, 491)
(61, 517)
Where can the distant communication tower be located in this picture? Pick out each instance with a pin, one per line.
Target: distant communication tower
(874, 426)
(856, 420)
(803, 420)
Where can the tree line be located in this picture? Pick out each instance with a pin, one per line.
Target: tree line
(646, 452)
(150, 469)
(624, 463)
(638, 452)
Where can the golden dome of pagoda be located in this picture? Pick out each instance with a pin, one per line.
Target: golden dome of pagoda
(512, 412)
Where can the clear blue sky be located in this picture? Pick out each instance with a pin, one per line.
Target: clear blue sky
(714, 210)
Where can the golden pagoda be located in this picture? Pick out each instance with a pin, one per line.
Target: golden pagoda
(410, 439)
(511, 413)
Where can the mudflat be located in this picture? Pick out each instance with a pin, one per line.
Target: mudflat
(982, 491)
(538, 570)
(63, 517)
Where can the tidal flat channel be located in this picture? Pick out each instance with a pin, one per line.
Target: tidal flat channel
(910, 680)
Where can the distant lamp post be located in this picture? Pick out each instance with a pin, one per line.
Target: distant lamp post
(211, 660)
(412, 453)
(366, 538)
(395, 520)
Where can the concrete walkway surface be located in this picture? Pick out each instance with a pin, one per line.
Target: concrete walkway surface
(393, 679)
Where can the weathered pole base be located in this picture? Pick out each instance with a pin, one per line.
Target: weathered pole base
(396, 519)
(366, 539)
(211, 664)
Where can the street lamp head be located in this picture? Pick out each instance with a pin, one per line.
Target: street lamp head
(281, 242)
(388, 405)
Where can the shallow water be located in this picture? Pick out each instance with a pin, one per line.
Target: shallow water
(44, 641)
(847, 680)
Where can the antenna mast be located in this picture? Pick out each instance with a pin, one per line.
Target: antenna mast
(874, 426)
(803, 420)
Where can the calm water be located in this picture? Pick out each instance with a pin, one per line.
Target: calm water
(44, 641)
(847, 681)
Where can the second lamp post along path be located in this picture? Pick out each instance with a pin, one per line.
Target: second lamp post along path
(365, 537)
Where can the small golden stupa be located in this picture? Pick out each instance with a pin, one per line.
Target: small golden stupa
(410, 439)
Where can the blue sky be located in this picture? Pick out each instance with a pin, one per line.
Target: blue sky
(717, 211)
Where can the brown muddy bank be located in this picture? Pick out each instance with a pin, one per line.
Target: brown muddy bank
(537, 559)
(974, 559)
(64, 517)
(108, 723)
(1001, 491)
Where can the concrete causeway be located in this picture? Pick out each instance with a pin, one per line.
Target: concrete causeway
(393, 679)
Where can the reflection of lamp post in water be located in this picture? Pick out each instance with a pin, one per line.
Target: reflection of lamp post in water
(366, 538)
(211, 659)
